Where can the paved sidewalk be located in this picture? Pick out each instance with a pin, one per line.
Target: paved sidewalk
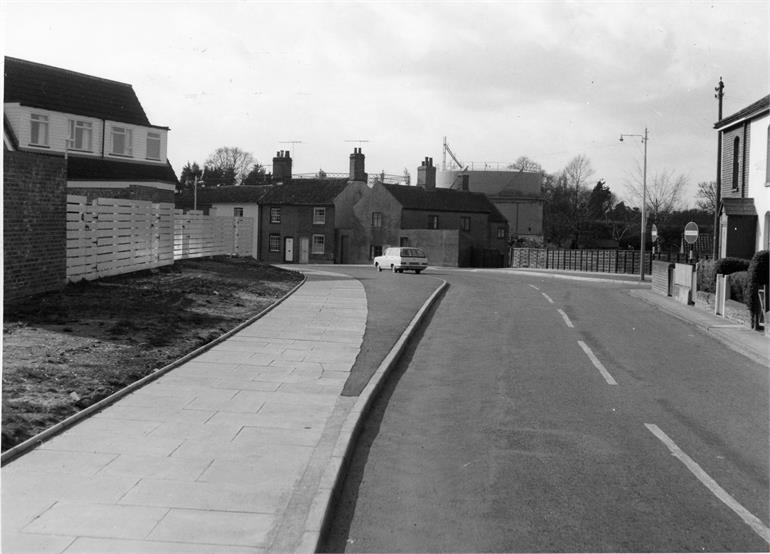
(223, 454)
(742, 339)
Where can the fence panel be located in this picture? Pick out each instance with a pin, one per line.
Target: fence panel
(604, 261)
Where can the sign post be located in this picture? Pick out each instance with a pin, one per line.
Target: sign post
(654, 233)
(691, 235)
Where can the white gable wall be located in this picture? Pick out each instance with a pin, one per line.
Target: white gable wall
(758, 178)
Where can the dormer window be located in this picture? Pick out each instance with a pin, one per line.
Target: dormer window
(153, 146)
(38, 130)
(80, 135)
(122, 141)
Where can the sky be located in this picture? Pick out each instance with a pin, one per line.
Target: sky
(549, 80)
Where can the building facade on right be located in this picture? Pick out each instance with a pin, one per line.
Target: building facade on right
(744, 188)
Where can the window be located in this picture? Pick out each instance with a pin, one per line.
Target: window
(319, 216)
(275, 215)
(465, 224)
(374, 251)
(237, 212)
(38, 130)
(377, 220)
(432, 222)
(736, 165)
(403, 241)
(319, 244)
(122, 141)
(501, 232)
(80, 135)
(274, 243)
(153, 146)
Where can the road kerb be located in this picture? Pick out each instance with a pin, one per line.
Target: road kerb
(333, 477)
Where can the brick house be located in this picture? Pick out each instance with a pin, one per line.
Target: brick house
(99, 127)
(454, 227)
(308, 221)
(744, 192)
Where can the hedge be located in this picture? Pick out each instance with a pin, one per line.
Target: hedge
(709, 269)
(758, 276)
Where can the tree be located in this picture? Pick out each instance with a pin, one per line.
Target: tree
(256, 176)
(189, 172)
(523, 163)
(228, 165)
(707, 197)
(575, 176)
(600, 202)
(664, 191)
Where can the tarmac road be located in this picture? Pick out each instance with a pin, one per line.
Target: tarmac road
(544, 415)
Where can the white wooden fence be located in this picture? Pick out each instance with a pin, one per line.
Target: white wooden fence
(110, 236)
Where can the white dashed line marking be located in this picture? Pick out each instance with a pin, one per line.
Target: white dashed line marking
(566, 319)
(547, 297)
(750, 519)
(597, 364)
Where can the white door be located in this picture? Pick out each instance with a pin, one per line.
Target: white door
(304, 250)
(288, 249)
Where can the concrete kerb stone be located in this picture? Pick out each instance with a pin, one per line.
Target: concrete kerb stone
(32, 442)
(332, 478)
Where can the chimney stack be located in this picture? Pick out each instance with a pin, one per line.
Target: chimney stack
(426, 174)
(357, 169)
(465, 182)
(282, 167)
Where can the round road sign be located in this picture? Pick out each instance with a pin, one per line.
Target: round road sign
(654, 232)
(691, 232)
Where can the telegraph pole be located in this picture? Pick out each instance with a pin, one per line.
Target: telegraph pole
(720, 93)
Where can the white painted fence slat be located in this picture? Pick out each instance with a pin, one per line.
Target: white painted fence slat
(110, 236)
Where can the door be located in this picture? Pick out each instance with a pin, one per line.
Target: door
(288, 249)
(304, 250)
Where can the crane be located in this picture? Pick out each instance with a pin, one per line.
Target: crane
(452, 155)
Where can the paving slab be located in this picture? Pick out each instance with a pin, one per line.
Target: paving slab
(208, 457)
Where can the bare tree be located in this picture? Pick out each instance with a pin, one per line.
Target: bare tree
(523, 163)
(578, 171)
(231, 163)
(664, 192)
(707, 197)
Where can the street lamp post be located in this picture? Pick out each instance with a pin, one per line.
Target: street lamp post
(644, 198)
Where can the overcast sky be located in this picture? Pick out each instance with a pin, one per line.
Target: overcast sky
(547, 80)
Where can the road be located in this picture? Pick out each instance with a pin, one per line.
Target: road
(546, 415)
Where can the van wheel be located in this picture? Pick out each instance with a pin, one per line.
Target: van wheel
(378, 267)
(417, 271)
(393, 269)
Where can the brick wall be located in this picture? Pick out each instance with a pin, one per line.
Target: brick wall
(34, 224)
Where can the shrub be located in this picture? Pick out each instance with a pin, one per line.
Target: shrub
(758, 277)
(726, 266)
(739, 281)
(707, 276)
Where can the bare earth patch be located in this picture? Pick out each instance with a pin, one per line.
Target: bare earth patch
(67, 350)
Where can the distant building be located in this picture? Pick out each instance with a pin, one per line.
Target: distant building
(744, 209)
(516, 194)
(111, 147)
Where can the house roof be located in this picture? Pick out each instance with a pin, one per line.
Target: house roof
(98, 169)
(738, 206)
(305, 192)
(758, 107)
(235, 194)
(442, 200)
(51, 88)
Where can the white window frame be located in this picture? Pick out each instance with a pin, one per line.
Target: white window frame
(433, 221)
(465, 223)
(155, 138)
(377, 220)
(319, 216)
(501, 232)
(128, 141)
(275, 214)
(38, 125)
(238, 211)
(274, 242)
(79, 131)
(318, 244)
